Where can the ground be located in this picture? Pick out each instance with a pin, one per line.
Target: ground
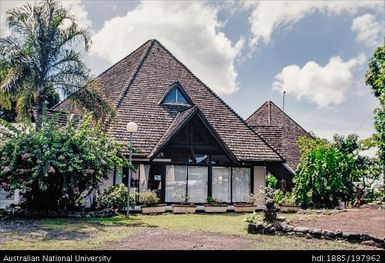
(167, 231)
(366, 221)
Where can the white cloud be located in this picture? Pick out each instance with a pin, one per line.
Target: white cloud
(189, 29)
(77, 8)
(368, 29)
(322, 85)
(266, 16)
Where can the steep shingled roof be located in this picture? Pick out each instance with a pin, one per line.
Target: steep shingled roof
(279, 129)
(136, 84)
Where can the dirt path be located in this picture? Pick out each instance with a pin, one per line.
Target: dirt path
(161, 239)
(366, 221)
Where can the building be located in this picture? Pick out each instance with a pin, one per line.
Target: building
(188, 139)
(280, 131)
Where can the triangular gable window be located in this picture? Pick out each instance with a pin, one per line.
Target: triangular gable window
(176, 96)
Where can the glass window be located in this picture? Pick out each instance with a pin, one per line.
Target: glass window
(176, 179)
(241, 184)
(175, 96)
(135, 180)
(219, 159)
(144, 176)
(221, 183)
(197, 184)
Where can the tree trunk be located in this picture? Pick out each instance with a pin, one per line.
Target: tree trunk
(39, 112)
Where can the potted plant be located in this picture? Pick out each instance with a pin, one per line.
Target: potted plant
(184, 207)
(287, 203)
(214, 206)
(246, 207)
(150, 203)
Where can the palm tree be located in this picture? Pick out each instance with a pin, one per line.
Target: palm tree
(41, 55)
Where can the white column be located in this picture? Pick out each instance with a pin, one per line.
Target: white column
(259, 180)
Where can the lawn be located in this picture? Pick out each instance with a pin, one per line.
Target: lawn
(198, 231)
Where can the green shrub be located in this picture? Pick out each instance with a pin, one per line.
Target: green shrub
(211, 200)
(324, 177)
(181, 196)
(278, 197)
(253, 218)
(57, 166)
(271, 181)
(148, 198)
(115, 197)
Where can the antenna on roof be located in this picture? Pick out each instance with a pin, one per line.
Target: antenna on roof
(283, 100)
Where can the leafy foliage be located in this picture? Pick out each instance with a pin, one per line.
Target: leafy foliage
(181, 196)
(57, 166)
(115, 197)
(271, 181)
(324, 177)
(284, 199)
(346, 145)
(253, 218)
(148, 198)
(375, 78)
(39, 58)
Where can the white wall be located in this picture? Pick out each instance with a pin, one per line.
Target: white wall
(259, 180)
(6, 201)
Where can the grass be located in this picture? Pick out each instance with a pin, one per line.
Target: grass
(104, 233)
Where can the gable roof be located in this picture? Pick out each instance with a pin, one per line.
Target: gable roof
(136, 84)
(179, 122)
(279, 129)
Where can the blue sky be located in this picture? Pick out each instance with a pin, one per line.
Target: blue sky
(250, 51)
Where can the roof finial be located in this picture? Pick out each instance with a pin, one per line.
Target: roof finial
(283, 101)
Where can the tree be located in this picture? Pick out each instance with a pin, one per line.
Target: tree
(347, 145)
(325, 175)
(40, 57)
(375, 78)
(14, 109)
(57, 166)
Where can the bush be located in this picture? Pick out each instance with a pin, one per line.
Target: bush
(253, 218)
(181, 196)
(115, 197)
(148, 198)
(57, 166)
(324, 177)
(271, 181)
(278, 197)
(284, 199)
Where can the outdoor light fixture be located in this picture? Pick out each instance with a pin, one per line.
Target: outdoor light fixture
(131, 128)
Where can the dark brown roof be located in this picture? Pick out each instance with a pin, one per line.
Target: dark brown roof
(136, 85)
(179, 120)
(59, 117)
(280, 130)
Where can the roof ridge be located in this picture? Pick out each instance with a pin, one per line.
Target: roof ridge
(133, 74)
(125, 57)
(130, 80)
(287, 115)
(216, 96)
(260, 107)
(109, 68)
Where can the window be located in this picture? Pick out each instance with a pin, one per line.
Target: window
(241, 184)
(197, 184)
(176, 179)
(175, 97)
(221, 189)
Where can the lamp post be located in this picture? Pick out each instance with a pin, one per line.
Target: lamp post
(131, 127)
